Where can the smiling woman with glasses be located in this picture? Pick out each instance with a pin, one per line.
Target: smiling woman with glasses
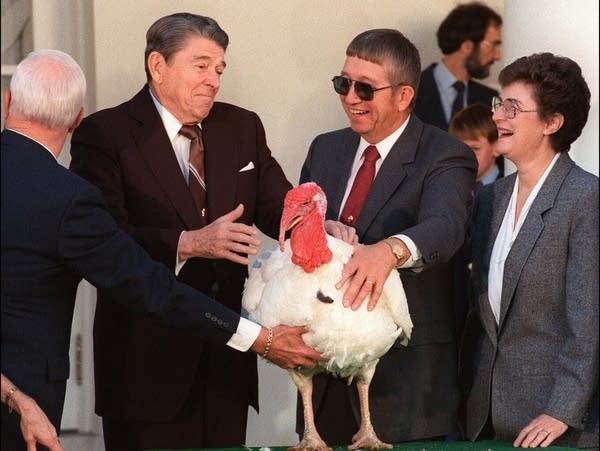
(535, 268)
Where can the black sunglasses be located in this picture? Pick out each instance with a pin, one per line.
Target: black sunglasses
(364, 91)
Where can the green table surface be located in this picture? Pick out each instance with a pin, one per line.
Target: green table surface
(412, 446)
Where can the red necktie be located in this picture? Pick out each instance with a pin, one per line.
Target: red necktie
(360, 187)
(196, 168)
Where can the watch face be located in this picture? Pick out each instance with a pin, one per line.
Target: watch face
(396, 249)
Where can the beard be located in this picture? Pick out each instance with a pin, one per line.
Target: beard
(474, 67)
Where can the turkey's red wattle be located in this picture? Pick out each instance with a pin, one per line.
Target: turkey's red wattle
(309, 243)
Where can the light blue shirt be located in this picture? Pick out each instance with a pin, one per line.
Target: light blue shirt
(490, 176)
(444, 81)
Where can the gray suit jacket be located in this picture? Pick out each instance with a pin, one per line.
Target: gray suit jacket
(423, 190)
(543, 355)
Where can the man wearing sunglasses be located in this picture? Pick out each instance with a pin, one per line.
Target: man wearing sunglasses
(413, 219)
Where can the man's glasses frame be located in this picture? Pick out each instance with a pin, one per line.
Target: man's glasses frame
(364, 91)
(510, 107)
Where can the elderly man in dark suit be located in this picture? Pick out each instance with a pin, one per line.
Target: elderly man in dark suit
(56, 230)
(413, 219)
(156, 387)
(470, 39)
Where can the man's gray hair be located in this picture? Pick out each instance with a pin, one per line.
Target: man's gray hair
(48, 87)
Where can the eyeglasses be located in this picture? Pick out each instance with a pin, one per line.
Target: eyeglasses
(510, 107)
(364, 91)
(494, 45)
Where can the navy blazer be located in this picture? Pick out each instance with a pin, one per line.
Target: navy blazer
(542, 357)
(422, 190)
(56, 230)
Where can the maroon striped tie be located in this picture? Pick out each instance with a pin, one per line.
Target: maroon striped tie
(196, 168)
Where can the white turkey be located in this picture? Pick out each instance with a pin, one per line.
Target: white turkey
(295, 285)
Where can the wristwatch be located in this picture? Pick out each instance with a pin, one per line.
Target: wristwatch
(397, 249)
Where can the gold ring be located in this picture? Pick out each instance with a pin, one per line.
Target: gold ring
(544, 430)
(370, 282)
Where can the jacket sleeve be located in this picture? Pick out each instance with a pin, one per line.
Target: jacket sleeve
(92, 245)
(576, 370)
(444, 205)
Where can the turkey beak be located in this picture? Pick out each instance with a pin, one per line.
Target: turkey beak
(289, 219)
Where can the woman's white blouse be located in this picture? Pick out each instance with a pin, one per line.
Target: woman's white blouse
(506, 237)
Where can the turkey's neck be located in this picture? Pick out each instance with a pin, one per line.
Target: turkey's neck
(309, 244)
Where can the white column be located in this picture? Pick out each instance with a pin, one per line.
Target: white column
(68, 26)
(564, 27)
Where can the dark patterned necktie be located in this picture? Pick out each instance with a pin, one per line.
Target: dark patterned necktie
(196, 168)
(477, 186)
(459, 100)
(360, 187)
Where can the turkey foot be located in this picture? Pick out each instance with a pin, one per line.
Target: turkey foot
(367, 439)
(310, 444)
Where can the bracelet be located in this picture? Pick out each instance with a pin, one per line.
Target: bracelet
(8, 398)
(269, 343)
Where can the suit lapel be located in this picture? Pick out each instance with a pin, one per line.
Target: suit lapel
(391, 174)
(335, 184)
(157, 152)
(530, 232)
(221, 162)
(433, 100)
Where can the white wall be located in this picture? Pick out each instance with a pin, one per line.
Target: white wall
(564, 27)
(281, 57)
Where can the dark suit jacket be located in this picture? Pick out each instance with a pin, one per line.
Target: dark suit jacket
(428, 105)
(56, 230)
(126, 152)
(423, 191)
(543, 355)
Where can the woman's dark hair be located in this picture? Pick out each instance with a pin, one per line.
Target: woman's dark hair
(558, 87)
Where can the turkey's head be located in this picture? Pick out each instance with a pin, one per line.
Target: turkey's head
(304, 214)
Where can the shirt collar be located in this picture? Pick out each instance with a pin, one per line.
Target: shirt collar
(443, 77)
(385, 145)
(172, 125)
(490, 175)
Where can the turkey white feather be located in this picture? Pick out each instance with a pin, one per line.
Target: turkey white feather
(295, 285)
